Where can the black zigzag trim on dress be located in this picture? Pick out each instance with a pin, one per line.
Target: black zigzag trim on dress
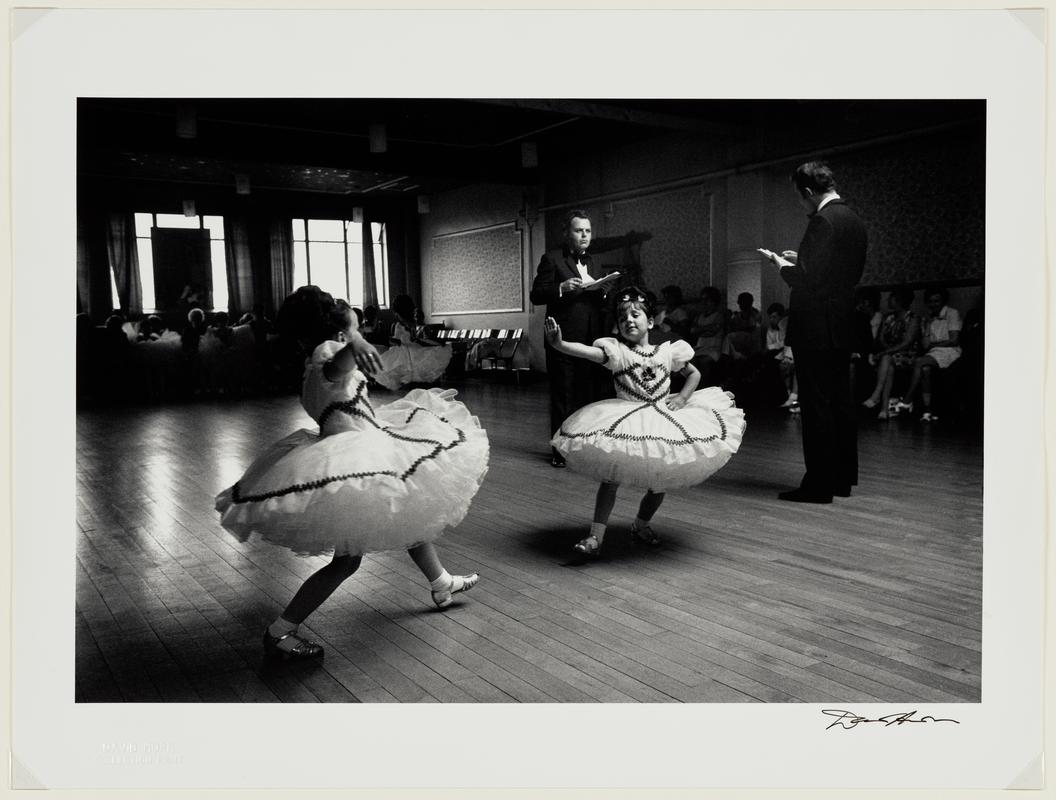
(238, 497)
(348, 406)
(635, 385)
(610, 432)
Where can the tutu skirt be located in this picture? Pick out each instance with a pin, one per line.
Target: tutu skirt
(646, 444)
(412, 363)
(394, 482)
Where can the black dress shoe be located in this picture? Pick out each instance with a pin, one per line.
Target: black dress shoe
(842, 491)
(303, 650)
(557, 460)
(803, 496)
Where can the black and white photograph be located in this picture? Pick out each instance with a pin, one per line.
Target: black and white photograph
(213, 567)
(562, 412)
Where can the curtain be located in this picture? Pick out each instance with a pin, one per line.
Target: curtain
(240, 293)
(124, 261)
(93, 266)
(370, 281)
(281, 239)
(398, 232)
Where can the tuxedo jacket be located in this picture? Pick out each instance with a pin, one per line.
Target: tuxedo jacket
(823, 280)
(581, 315)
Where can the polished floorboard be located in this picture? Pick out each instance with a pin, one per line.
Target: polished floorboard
(877, 597)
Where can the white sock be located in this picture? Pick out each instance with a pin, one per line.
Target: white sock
(597, 530)
(442, 581)
(641, 523)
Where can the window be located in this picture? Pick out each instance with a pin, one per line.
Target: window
(329, 254)
(144, 249)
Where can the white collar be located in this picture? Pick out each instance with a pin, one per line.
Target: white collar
(828, 199)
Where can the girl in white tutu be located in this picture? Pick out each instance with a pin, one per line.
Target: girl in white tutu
(646, 437)
(370, 479)
(412, 358)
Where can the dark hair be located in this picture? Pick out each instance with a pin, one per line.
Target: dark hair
(815, 176)
(633, 295)
(775, 308)
(570, 215)
(672, 292)
(359, 315)
(745, 297)
(940, 291)
(339, 318)
(403, 305)
(310, 315)
(904, 296)
(712, 294)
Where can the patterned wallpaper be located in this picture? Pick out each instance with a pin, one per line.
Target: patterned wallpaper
(924, 203)
(477, 271)
(680, 222)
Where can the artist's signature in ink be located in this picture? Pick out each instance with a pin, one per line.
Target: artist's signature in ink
(848, 719)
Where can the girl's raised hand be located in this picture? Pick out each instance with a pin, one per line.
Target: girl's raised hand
(552, 331)
(367, 358)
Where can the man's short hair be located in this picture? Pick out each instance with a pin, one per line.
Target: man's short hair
(571, 215)
(815, 176)
(776, 308)
(745, 298)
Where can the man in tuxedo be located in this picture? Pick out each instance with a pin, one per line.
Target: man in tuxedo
(822, 277)
(562, 283)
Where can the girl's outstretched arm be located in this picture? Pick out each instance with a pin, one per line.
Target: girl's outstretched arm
(357, 353)
(552, 331)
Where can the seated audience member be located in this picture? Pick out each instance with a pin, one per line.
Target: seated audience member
(940, 339)
(897, 347)
(221, 327)
(190, 339)
(371, 329)
(867, 320)
(193, 330)
(706, 335)
(742, 328)
(674, 321)
(151, 329)
(781, 354)
(413, 357)
(156, 360)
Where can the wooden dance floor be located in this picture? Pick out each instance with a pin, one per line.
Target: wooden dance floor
(874, 598)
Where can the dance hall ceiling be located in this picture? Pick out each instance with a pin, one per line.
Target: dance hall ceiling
(361, 148)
